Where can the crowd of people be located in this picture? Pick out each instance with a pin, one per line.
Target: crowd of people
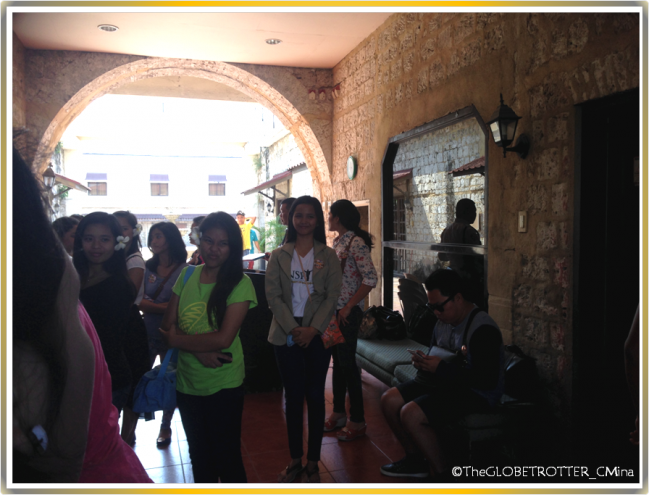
(104, 315)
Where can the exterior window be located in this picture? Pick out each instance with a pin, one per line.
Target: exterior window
(217, 189)
(97, 188)
(159, 189)
(399, 219)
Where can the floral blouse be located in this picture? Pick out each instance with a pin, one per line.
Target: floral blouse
(359, 268)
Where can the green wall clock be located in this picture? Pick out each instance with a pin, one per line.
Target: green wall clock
(352, 167)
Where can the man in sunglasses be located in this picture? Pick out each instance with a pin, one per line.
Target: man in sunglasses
(446, 388)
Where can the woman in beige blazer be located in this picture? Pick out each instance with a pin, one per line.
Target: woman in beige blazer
(303, 282)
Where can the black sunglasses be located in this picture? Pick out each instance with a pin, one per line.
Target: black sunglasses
(438, 307)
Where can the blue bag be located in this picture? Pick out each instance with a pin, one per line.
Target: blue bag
(156, 390)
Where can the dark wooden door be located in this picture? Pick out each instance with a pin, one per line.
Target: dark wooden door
(607, 275)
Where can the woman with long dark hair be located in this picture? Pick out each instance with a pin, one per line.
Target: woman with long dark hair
(65, 427)
(66, 228)
(202, 320)
(353, 246)
(303, 282)
(162, 270)
(107, 293)
(137, 352)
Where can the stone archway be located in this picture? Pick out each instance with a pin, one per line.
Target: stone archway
(234, 77)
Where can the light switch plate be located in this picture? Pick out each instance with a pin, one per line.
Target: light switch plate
(522, 221)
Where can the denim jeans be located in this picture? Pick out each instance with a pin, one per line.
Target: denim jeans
(304, 371)
(213, 427)
(346, 375)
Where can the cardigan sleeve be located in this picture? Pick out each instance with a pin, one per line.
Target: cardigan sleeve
(333, 284)
(281, 311)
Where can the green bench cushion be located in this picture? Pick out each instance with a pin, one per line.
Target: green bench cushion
(386, 354)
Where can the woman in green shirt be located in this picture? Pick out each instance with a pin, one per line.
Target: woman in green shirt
(203, 319)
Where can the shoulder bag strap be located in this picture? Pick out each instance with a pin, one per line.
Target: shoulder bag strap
(468, 325)
(165, 363)
(188, 273)
(162, 284)
(343, 261)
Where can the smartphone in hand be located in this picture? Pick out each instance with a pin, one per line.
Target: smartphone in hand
(415, 353)
(223, 360)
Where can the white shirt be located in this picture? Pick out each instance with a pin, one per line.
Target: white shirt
(136, 261)
(299, 285)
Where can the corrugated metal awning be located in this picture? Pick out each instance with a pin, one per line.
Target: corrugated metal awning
(72, 184)
(473, 167)
(402, 174)
(159, 178)
(217, 178)
(283, 177)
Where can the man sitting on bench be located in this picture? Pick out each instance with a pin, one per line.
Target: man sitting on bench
(445, 388)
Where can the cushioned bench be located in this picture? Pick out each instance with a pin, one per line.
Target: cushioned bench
(387, 360)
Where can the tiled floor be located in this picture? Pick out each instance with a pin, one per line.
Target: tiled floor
(265, 445)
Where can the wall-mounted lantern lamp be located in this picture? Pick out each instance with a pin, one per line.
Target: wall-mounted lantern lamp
(48, 177)
(503, 128)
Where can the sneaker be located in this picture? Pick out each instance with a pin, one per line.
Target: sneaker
(406, 468)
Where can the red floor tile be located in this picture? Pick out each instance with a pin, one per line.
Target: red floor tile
(390, 446)
(263, 441)
(357, 455)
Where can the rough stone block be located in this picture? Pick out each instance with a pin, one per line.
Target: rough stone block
(464, 27)
(396, 70)
(398, 93)
(535, 330)
(559, 44)
(445, 40)
(399, 26)
(539, 55)
(563, 235)
(537, 199)
(522, 296)
(533, 23)
(538, 133)
(369, 87)
(422, 81)
(471, 53)
(625, 22)
(494, 39)
(577, 36)
(407, 42)
(484, 18)
(558, 128)
(546, 235)
(544, 302)
(408, 60)
(566, 162)
(408, 89)
(434, 23)
(557, 336)
(535, 267)
(548, 164)
(385, 37)
(561, 272)
(427, 49)
(560, 199)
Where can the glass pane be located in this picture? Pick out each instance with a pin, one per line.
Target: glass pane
(511, 129)
(424, 192)
(495, 130)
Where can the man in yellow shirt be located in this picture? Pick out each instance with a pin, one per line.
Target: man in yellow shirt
(245, 224)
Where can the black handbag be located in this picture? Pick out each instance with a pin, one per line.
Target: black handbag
(368, 328)
(390, 324)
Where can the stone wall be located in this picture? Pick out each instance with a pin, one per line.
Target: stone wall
(419, 67)
(19, 107)
(59, 84)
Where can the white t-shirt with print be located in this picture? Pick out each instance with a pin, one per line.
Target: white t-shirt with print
(299, 285)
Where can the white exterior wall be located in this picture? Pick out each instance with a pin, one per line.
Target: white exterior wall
(129, 185)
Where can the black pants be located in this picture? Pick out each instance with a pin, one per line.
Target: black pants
(346, 375)
(304, 372)
(213, 427)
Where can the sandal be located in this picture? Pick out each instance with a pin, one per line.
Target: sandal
(289, 474)
(331, 425)
(312, 476)
(348, 434)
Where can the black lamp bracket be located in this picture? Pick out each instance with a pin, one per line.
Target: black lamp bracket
(522, 147)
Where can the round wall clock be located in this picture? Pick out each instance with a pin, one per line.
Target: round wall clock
(352, 167)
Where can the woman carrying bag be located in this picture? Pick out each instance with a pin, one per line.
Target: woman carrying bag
(303, 282)
(162, 271)
(353, 246)
(202, 320)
